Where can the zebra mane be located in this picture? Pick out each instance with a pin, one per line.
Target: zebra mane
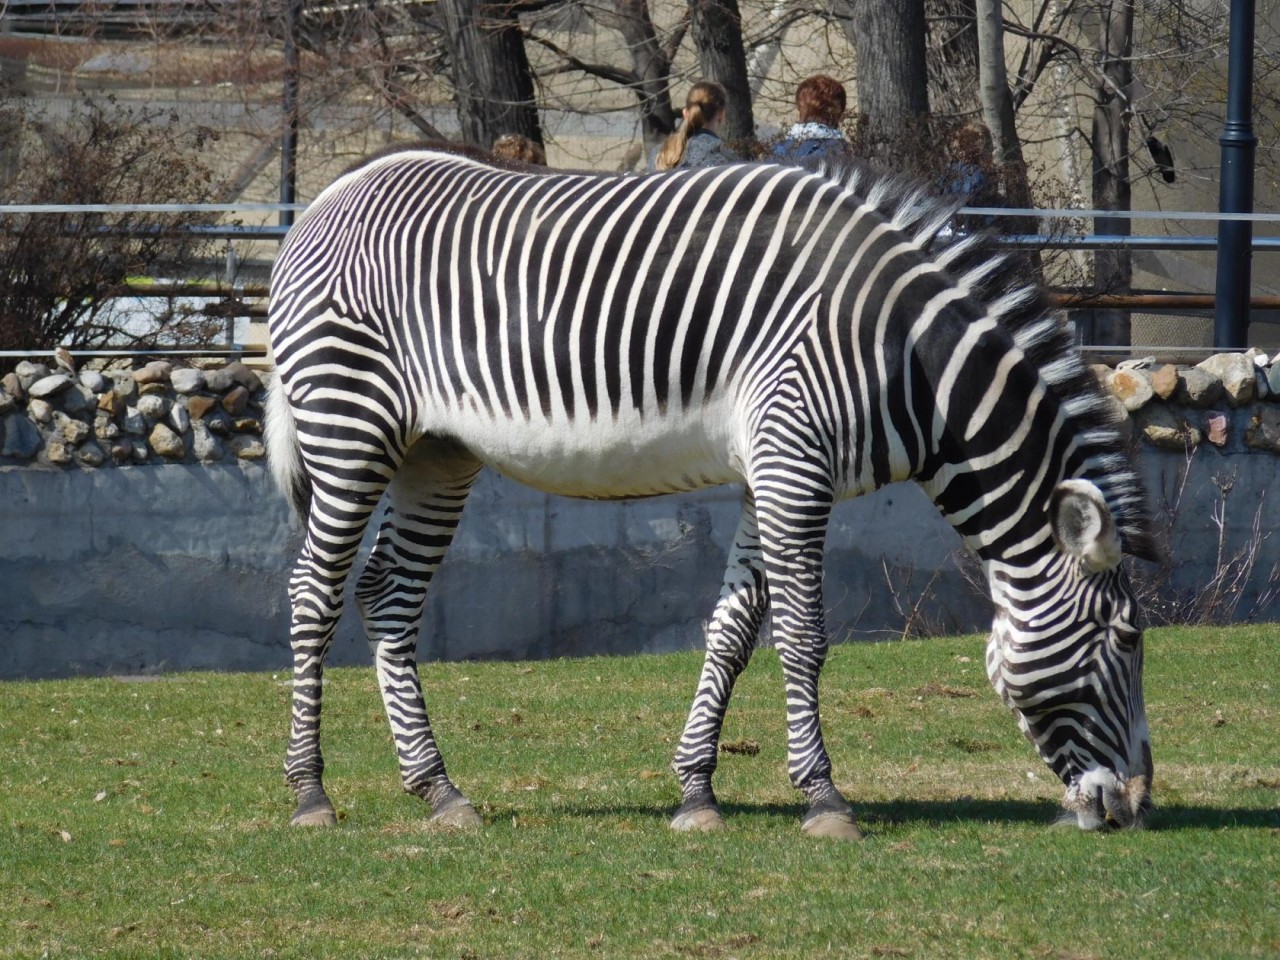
(1042, 335)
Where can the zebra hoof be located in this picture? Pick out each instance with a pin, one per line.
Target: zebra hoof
(459, 816)
(702, 820)
(314, 810)
(836, 825)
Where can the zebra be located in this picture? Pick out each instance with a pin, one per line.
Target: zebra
(612, 337)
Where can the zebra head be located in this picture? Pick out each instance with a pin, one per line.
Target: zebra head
(1065, 655)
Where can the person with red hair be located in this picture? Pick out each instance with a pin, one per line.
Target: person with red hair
(820, 102)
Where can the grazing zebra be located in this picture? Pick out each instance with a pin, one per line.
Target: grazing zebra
(613, 337)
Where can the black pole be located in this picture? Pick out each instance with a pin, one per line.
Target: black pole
(289, 136)
(1231, 308)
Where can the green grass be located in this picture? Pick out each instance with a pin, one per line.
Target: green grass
(148, 819)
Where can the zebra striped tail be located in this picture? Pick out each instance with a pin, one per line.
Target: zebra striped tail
(283, 452)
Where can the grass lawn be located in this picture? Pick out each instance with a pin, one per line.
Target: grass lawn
(149, 819)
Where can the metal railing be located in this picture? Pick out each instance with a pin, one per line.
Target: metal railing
(245, 300)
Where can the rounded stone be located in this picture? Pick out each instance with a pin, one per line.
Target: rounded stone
(204, 444)
(1217, 428)
(187, 380)
(93, 380)
(1164, 382)
(49, 386)
(57, 452)
(179, 419)
(198, 406)
(242, 375)
(218, 381)
(104, 428)
(1163, 428)
(1263, 432)
(134, 422)
(1131, 387)
(91, 455)
(29, 372)
(41, 411)
(235, 400)
(153, 372)
(79, 399)
(153, 406)
(13, 386)
(73, 431)
(246, 447)
(167, 443)
(1198, 388)
(121, 450)
(6, 401)
(1236, 373)
(123, 384)
(21, 438)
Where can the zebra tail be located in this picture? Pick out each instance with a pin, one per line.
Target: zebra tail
(283, 451)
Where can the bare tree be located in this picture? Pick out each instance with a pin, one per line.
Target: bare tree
(717, 35)
(1113, 268)
(492, 83)
(59, 271)
(997, 102)
(893, 85)
(952, 56)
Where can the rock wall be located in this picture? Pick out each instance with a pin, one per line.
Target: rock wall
(140, 532)
(91, 419)
(1179, 407)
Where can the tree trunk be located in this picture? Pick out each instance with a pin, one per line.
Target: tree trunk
(893, 80)
(1112, 269)
(997, 103)
(952, 56)
(651, 65)
(493, 86)
(717, 34)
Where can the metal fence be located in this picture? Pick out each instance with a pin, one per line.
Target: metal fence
(1172, 324)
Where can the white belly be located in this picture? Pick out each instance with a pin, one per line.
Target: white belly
(606, 458)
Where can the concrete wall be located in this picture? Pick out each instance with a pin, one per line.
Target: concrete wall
(183, 566)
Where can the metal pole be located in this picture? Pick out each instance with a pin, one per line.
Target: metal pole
(289, 136)
(1231, 315)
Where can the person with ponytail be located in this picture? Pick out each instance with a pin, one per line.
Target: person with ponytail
(697, 143)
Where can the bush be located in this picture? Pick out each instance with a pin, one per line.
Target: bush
(58, 271)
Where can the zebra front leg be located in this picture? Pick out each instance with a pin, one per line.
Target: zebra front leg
(792, 534)
(426, 500)
(731, 638)
(334, 530)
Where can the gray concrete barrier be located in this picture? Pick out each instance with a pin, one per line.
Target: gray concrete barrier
(165, 567)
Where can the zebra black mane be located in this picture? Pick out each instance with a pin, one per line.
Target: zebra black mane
(1044, 337)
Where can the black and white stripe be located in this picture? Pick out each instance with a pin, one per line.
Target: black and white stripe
(612, 337)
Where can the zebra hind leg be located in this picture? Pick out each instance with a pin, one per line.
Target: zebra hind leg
(335, 526)
(793, 524)
(731, 639)
(426, 499)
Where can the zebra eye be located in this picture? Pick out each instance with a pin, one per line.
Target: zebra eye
(1125, 635)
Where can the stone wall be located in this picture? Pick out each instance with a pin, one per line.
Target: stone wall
(58, 417)
(168, 548)
(1179, 407)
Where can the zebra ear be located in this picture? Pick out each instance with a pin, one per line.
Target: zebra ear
(1082, 526)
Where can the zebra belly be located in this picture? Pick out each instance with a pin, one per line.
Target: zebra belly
(605, 459)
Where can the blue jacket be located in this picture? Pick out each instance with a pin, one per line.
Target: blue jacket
(809, 142)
